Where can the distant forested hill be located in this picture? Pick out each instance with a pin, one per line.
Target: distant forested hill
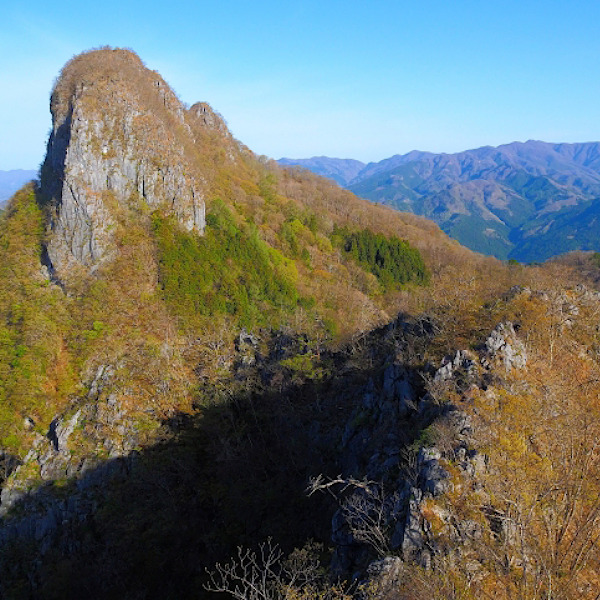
(528, 201)
(11, 181)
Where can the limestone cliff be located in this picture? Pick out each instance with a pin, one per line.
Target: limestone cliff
(120, 139)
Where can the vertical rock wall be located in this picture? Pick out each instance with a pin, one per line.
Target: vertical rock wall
(119, 138)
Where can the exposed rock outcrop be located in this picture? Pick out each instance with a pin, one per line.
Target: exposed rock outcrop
(97, 421)
(57, 488)
(397, 504)
(120, 140)
(503, 346)
(211, 119)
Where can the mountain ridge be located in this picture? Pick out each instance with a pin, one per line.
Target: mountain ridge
(12, 180)
(175, 391)
(492, 199)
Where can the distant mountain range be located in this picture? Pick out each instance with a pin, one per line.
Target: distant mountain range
(528, 201)
(11, 181)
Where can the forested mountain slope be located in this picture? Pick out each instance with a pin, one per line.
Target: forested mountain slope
(528, 201)
(190, 336)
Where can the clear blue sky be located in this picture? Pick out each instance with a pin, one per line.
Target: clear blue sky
(344, 78)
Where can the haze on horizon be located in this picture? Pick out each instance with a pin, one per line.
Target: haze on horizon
(341, 79)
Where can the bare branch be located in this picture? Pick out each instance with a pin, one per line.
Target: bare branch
(320, 484)
(252, 576)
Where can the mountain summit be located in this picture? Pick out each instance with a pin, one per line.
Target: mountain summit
(119, 136)
(124, 152)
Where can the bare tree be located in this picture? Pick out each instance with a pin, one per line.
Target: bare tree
(268, 575)
(367, 510)
(250, 576)
(367, 513)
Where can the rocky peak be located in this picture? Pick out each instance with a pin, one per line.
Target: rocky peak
(119, 139)
(208, 117)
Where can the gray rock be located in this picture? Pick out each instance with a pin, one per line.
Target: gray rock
(246, 345)
(434, 478)
(10, 496)
(503, 346)
(462, 361)
(340, 533)
(102, 157)
(389, 380)
(398, 393)
(387, 572)
(445, 372)
(103, 375)
(413, 536)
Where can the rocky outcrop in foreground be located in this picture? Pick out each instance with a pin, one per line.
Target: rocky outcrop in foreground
(393, 496)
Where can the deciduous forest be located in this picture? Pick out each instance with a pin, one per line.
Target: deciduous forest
(220, 377)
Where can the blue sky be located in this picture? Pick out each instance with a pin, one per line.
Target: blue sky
(349, 79)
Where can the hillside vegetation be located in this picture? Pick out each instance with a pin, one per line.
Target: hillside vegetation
(190, 335)
(526, 201)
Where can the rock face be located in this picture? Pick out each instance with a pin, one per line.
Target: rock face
(49, 517)
(204, 113)
(397, 503)
(503, 346)
(120, 140)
